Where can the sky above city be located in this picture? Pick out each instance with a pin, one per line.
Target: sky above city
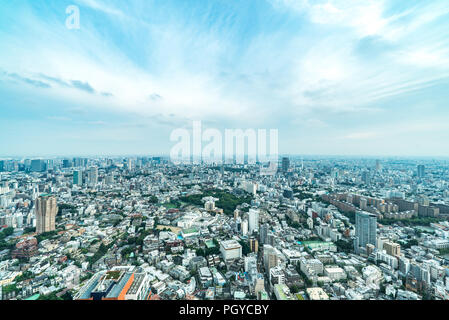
(337, 77)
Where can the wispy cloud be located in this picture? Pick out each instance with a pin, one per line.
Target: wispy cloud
(299, 65)
(32, 82)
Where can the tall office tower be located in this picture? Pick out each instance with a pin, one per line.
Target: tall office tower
(130, 164)
(2, 165)
(285, 164)
(66, 163)
(378, 165)
(37, 166)
(78, 177)
(77, 162)
(46, 210)
(110, 179)
(421, 171)
(92, 176)
(366, 177)
(263, 233)
(50, 164)
(253, 220)
(365, 229)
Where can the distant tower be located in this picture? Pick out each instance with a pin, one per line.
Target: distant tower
(46, 210)
(421, 171)
(78, 177)
(285, 164)
(263, 233)
(366, 177)
(378, 165)
(93, 176)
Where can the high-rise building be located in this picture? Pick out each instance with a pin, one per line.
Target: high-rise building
(245, 227)
(130, 164)
(79, 162)
(366, 177)
(421, 171)
(78, 177)
(92, 176)
(110, 179)
(253, 220)
(37, 165)
(253, 244)
(264, 233)
(270, 257)
(285, 164)
(46, 210)
(365, 229)
(66, 163)
(378, 165)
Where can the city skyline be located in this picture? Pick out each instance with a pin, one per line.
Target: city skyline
(205, 153)
(334, 77)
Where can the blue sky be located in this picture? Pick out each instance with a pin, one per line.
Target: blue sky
(343, 77)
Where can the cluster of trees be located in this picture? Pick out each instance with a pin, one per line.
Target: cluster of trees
(138, 241)
(153, 199)
(410, 243)
(303, 276)
(417, 221)
(172, 205)
(46, 235)
(209, 251)
(245, 247)
(24, 276)
(230, 169)
(10, 288)
(344, 246)
(127, 251)
(4, 234)
(444, 251)
(64, 206)
(53, 297)
(295, 224)
(227, 201)
(302, 195)
(29, 230)
(102, 250)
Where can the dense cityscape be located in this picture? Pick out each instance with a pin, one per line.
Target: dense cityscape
(143, 228)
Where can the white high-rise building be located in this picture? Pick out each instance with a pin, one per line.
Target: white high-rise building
(253, 219)
(245, 227)
(92, 176)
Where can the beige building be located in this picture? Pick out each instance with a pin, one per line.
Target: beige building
(46, 210)
(393, 249)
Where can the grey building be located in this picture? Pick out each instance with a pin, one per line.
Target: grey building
(365, 229)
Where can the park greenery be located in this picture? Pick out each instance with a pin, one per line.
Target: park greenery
(227, 201)
(102, 250)
(417, 221)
